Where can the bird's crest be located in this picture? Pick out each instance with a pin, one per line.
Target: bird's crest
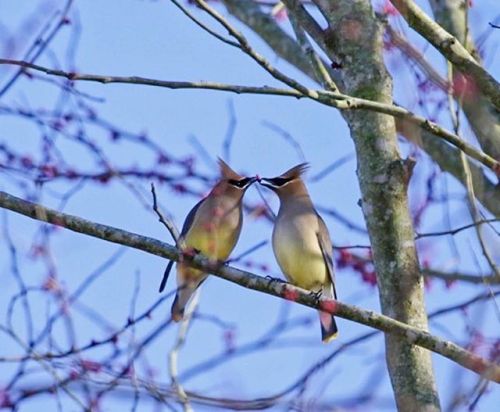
(295, 172)
(225, 171)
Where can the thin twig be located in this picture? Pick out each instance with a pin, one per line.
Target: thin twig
(245, 47)
(332, 167)
(450, 47)
(287, 136)
(204, 26)
(463, 277)
(231, 127)
(469, 186)
(322, 74)
(165, 221)
(247, 252)
(179, 343)
(337, 100)
(456, 230)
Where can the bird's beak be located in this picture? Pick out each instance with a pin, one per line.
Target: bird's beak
(251, 181)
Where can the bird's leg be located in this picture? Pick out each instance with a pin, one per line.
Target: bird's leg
(227, 262)
(188, 254)
(316, 295)
(190, 251)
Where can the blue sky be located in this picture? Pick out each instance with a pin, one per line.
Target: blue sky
(153, 39)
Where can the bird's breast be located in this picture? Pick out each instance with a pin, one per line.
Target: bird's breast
(297, 251)
(216, 234)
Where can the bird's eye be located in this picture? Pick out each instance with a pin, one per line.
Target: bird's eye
(239, 183)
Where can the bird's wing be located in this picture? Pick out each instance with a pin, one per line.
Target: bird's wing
(188, 222)
(165, 276)
(190, 218)
(325, 245)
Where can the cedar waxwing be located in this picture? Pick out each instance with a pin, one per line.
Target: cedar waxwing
(301, 242)
(212, 227)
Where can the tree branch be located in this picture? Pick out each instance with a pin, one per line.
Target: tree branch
(266, 27)
(480, 113)
(337, 100)
(449, 47)
(464, 277)
(249, 280)
(251, 15)
(448, 159)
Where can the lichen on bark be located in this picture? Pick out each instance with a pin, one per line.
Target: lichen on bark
(356, 37)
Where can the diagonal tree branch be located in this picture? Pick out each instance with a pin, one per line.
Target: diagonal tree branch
(464, 277)
(250, 14)
(447, 158)
(450, 48)
(251, 281)
(337, 100)
(480, 113)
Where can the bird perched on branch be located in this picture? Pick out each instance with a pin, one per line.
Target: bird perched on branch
(212, 227)
(301, 242)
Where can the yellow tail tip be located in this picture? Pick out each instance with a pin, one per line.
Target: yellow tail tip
(328, 339)
(177, 317)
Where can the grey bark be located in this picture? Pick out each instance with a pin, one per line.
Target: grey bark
(249, 280)
(249, 13)
(482, 116)
(448, 159)
(356, 37)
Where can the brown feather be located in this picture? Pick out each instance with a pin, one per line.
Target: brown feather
(296, 171)
(226, 172)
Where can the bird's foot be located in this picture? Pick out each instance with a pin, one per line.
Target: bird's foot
(190, 252)
(316, 295)
(227, 262)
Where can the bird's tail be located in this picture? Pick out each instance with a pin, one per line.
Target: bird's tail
(181, 300)
(184, 295)
(329, 330)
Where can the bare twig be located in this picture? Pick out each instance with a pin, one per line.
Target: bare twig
(411, 52)
(287, 137)
(179, 343)
(450, 47)
(248, 251)
(456, 230)
(491, 279)
(203, 25)
(248, 49)
(319, 68)
(331, 167)
(165, 221)
(40, 44)
(337, 100)
(469, 186)
(231, 127)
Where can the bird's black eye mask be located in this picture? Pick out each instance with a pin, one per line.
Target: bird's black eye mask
(241, 183)
(278, 181)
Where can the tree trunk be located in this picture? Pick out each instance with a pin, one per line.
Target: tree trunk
(355, 36)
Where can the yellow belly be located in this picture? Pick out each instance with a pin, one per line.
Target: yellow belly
(303, 268)
(299, 257)
(214, 241)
